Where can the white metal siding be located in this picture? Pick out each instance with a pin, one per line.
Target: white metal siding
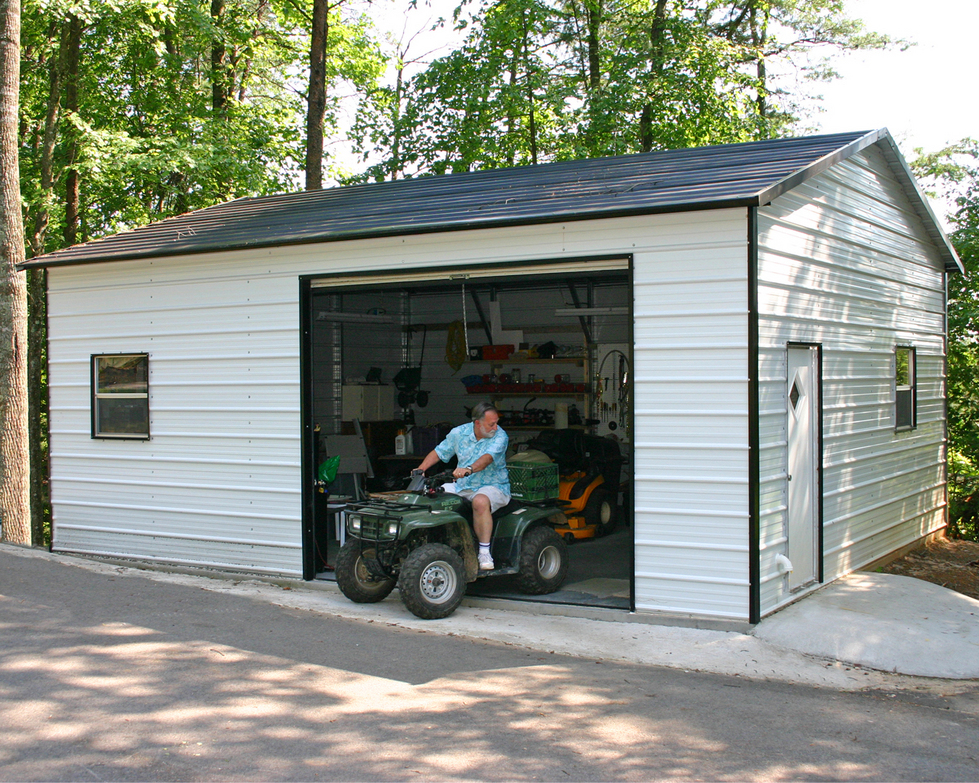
(844, 261)
(219, 482)
(691, 441)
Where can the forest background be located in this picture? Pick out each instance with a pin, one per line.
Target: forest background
(131, 111)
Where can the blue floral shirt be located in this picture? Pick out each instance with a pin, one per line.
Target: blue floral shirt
(462, 442)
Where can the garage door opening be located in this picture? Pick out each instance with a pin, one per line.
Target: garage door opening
(392, 362)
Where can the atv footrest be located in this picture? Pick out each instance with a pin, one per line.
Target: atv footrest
(499, 572)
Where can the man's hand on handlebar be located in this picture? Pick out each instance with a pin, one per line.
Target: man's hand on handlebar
(462, 472)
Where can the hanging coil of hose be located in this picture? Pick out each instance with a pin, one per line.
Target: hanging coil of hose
(455, 346)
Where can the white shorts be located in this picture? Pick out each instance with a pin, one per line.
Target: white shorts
(497, 498)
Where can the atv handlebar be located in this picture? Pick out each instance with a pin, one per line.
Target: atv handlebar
(420, 482)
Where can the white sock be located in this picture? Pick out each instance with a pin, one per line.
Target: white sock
(484, 549)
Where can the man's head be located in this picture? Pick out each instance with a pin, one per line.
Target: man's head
(485, 420)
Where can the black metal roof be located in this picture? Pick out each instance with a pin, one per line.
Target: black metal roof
(732, 175)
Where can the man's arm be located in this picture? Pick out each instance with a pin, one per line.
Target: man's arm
(482, 463)
(429, 460)
(466, 470)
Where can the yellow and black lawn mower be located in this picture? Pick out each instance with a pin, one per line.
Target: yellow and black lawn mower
(589, 469)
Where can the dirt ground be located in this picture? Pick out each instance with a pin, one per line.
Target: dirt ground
(947, 562)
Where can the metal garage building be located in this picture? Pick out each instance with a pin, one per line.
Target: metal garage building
(785, 317)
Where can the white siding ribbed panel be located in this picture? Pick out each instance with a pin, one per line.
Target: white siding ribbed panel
(691, 401)
(845, 262)
(219, 482)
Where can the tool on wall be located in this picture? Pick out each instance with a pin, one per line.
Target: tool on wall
(408, 379)
(612, 392)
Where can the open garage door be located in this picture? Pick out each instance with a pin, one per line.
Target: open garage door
(396, 360)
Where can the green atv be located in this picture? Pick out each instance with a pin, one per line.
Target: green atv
(422, 541)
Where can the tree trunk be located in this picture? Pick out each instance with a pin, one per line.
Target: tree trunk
(316, 109)
(43, 215)
(513, 142)
(37, 355)
(759, 35)
(219, 75)
(37, 281)
(396, 134)
(594, 12)
(72, 182)
(657, 62)
(532, 119)
(15, 523)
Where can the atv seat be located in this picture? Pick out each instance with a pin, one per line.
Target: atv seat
(466, 510)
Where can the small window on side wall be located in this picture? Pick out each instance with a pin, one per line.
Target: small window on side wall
(905, 385)
(121, 396)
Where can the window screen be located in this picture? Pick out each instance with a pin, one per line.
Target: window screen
(120, 396)
(905, 388)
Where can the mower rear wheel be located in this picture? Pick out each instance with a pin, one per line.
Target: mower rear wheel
(601, 511)
(543, 564)
(355, 580)
(432, 581)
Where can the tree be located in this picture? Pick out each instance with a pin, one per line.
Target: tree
(173, 105)
(316, 98)
(14, 455)
(954, 173)
(342, 50)
(539, 80)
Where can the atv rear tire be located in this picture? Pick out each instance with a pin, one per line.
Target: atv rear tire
(355, 580)
(601, 511)
(543, 562)
(432, 581)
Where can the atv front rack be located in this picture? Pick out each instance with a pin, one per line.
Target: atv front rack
(381, 506)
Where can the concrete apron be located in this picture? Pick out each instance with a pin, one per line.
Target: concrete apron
(886, 622)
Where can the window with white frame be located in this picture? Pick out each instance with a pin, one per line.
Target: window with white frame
(121, 396)
(905, 387)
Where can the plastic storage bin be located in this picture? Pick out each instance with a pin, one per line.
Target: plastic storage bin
(529, 481)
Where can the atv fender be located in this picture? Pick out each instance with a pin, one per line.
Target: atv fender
(459, 536)
(469, 558)
(511, 529)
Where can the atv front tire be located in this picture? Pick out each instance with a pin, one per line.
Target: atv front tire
(432, 581)
(543, 562)
(355, 580)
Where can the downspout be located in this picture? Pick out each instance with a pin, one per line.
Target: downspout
(754, 434)
(945, 393)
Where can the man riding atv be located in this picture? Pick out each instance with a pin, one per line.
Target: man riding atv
(481, 476)
(424, 540)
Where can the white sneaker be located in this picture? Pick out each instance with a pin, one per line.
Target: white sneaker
(486, 562)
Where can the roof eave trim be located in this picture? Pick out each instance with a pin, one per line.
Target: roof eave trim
(932, 224)
(469, 225)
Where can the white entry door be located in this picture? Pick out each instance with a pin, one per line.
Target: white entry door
(803, 400)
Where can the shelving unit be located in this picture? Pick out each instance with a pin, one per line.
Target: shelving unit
(581, 392)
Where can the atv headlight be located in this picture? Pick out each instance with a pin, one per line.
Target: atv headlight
(392, 529)
(354, 523)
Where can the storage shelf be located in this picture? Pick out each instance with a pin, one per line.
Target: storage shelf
(538, 427)
(578, 360)
(566, 395)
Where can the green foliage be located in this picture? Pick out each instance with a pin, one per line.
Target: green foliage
(177, 109)
(539, 80)
(149, 143)
(963, 498)
(954, 173)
